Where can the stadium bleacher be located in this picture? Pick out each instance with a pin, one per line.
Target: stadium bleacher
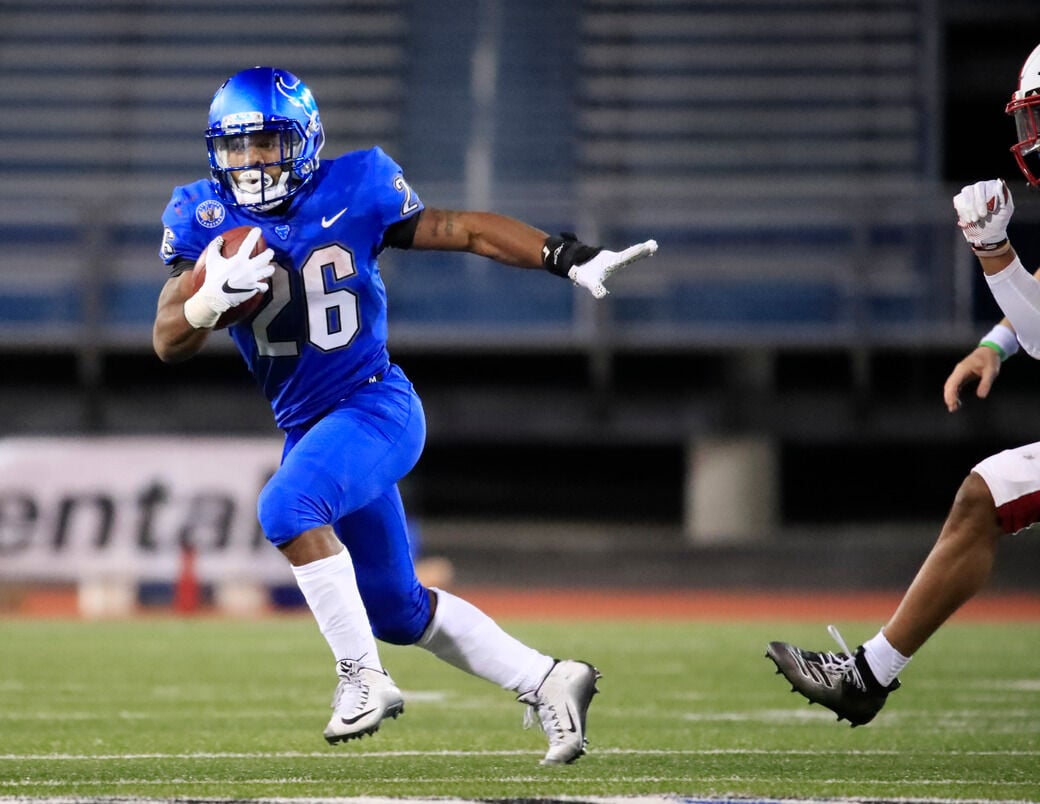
(809, 142)
(786, 156)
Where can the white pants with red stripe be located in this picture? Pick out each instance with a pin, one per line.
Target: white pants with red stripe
(1013, 478)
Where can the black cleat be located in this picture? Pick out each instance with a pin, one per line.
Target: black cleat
(840, 681)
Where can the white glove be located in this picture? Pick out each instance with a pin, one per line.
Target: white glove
(984, 210)
(229, 280)
(592, 274)
(589, 266)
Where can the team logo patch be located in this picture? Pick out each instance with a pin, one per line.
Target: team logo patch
(282, 231)
(210, 214)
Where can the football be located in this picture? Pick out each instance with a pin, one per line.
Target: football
(232, 242)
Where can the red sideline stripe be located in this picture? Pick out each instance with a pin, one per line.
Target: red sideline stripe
(639, 604)
(686, 604)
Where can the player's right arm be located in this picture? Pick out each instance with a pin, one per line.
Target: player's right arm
(173, 338)
(981, 365)
(185, 316)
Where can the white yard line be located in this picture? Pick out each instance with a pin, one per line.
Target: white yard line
(524, 800)
(338, 755)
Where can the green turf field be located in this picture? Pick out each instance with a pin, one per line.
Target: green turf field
(164, 708)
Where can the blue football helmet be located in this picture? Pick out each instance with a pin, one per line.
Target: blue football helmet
(263, 138)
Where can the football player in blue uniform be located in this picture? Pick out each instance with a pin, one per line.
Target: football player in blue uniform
(353, 424)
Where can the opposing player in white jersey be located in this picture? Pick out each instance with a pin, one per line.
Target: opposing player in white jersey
(353, 424)
(1000, 496)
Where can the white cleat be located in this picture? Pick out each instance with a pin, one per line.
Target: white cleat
(561, 703)
(364, 697)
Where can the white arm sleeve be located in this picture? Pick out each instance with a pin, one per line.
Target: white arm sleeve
(1018, 293)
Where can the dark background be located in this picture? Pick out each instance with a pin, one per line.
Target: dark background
(863, 435)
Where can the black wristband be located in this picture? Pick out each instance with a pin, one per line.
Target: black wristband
(992, 249)
(560, 254)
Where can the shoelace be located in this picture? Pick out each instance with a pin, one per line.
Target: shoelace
(842, 664)
(546, 720)
(350, 683)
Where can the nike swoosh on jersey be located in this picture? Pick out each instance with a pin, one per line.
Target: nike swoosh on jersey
(228, 288)
(327, 222)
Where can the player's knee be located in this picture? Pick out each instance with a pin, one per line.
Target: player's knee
(271, 514)
(399, 632)
(283, 514)
(401, 625)
(974, 495)
(974, 513)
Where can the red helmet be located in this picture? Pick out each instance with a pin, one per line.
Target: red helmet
(1025, 108)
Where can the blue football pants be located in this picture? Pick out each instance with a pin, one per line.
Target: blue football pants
(343, 470)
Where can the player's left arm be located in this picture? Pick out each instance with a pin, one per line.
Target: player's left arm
(513, 242)
(984, 210)
(497, 237)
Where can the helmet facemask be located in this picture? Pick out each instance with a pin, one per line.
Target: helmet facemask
(259, 167)
(1026, 113)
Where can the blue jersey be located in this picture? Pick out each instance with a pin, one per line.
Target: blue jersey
(321, 331)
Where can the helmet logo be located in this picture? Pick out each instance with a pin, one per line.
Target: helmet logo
(210, 213)
(301, 99)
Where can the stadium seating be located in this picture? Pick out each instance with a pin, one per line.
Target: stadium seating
(774, 158)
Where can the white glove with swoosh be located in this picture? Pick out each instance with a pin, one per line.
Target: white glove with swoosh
(229, 280)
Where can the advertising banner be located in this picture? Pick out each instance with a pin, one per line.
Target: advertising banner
(74, 509)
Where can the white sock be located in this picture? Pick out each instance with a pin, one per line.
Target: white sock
(331, 591)
(465, 637)
(885, 662)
